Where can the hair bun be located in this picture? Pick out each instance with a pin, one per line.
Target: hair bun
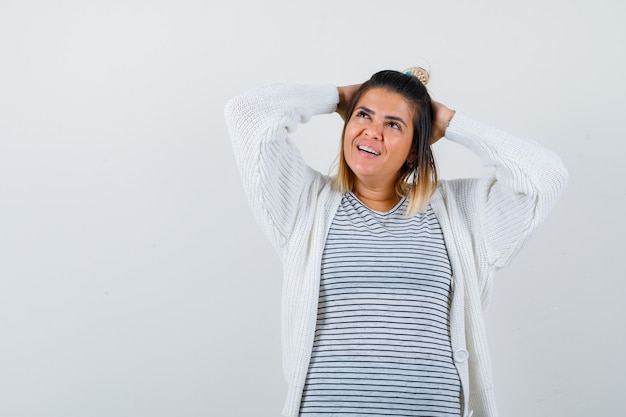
(419, 73)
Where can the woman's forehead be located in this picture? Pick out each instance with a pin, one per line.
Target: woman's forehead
(386, 102)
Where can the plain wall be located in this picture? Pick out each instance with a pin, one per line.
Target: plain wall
(133, 279)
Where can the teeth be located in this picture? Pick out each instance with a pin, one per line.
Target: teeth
(368, 150)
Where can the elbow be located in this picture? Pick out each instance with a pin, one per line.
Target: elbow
(561, 176)
(234, 108)
(553, 182)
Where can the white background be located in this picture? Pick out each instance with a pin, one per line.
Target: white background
(133, 280)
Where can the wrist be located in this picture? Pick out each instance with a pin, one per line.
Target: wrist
(445, 114)
(448, 118)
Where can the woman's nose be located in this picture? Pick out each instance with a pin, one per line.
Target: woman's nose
(374, 131)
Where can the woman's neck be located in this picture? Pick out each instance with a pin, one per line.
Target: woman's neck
(383, 199)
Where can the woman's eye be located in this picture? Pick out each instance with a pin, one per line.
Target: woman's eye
(394, 125)
(362, 114)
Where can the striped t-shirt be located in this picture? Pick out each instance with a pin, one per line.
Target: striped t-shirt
(382, 342)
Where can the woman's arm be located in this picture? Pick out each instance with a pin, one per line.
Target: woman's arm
(509, 204)
(273, 172)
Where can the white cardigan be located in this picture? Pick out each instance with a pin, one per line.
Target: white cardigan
(485, 222)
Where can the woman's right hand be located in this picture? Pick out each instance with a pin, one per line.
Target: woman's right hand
(345, 97)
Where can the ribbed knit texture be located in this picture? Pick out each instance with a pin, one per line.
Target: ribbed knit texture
(485, 222)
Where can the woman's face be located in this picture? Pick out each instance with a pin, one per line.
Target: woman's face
(378, 137)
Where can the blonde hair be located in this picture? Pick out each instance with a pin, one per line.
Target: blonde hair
(417, 179)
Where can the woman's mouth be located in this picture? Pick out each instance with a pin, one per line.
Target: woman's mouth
(368, 150)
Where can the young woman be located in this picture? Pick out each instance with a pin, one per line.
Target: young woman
(387, 270)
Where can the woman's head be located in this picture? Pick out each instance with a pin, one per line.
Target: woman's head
(386, 137)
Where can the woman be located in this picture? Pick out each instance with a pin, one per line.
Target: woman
(387, 271)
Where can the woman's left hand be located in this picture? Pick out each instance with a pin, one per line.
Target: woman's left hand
(442, 116)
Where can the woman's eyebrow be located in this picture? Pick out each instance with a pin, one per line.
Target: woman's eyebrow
(365, 109)
(395, 118)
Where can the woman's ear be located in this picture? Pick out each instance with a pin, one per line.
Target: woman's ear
(411, 159)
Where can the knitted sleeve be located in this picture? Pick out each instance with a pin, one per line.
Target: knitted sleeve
(509, 204)
(273, 172)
